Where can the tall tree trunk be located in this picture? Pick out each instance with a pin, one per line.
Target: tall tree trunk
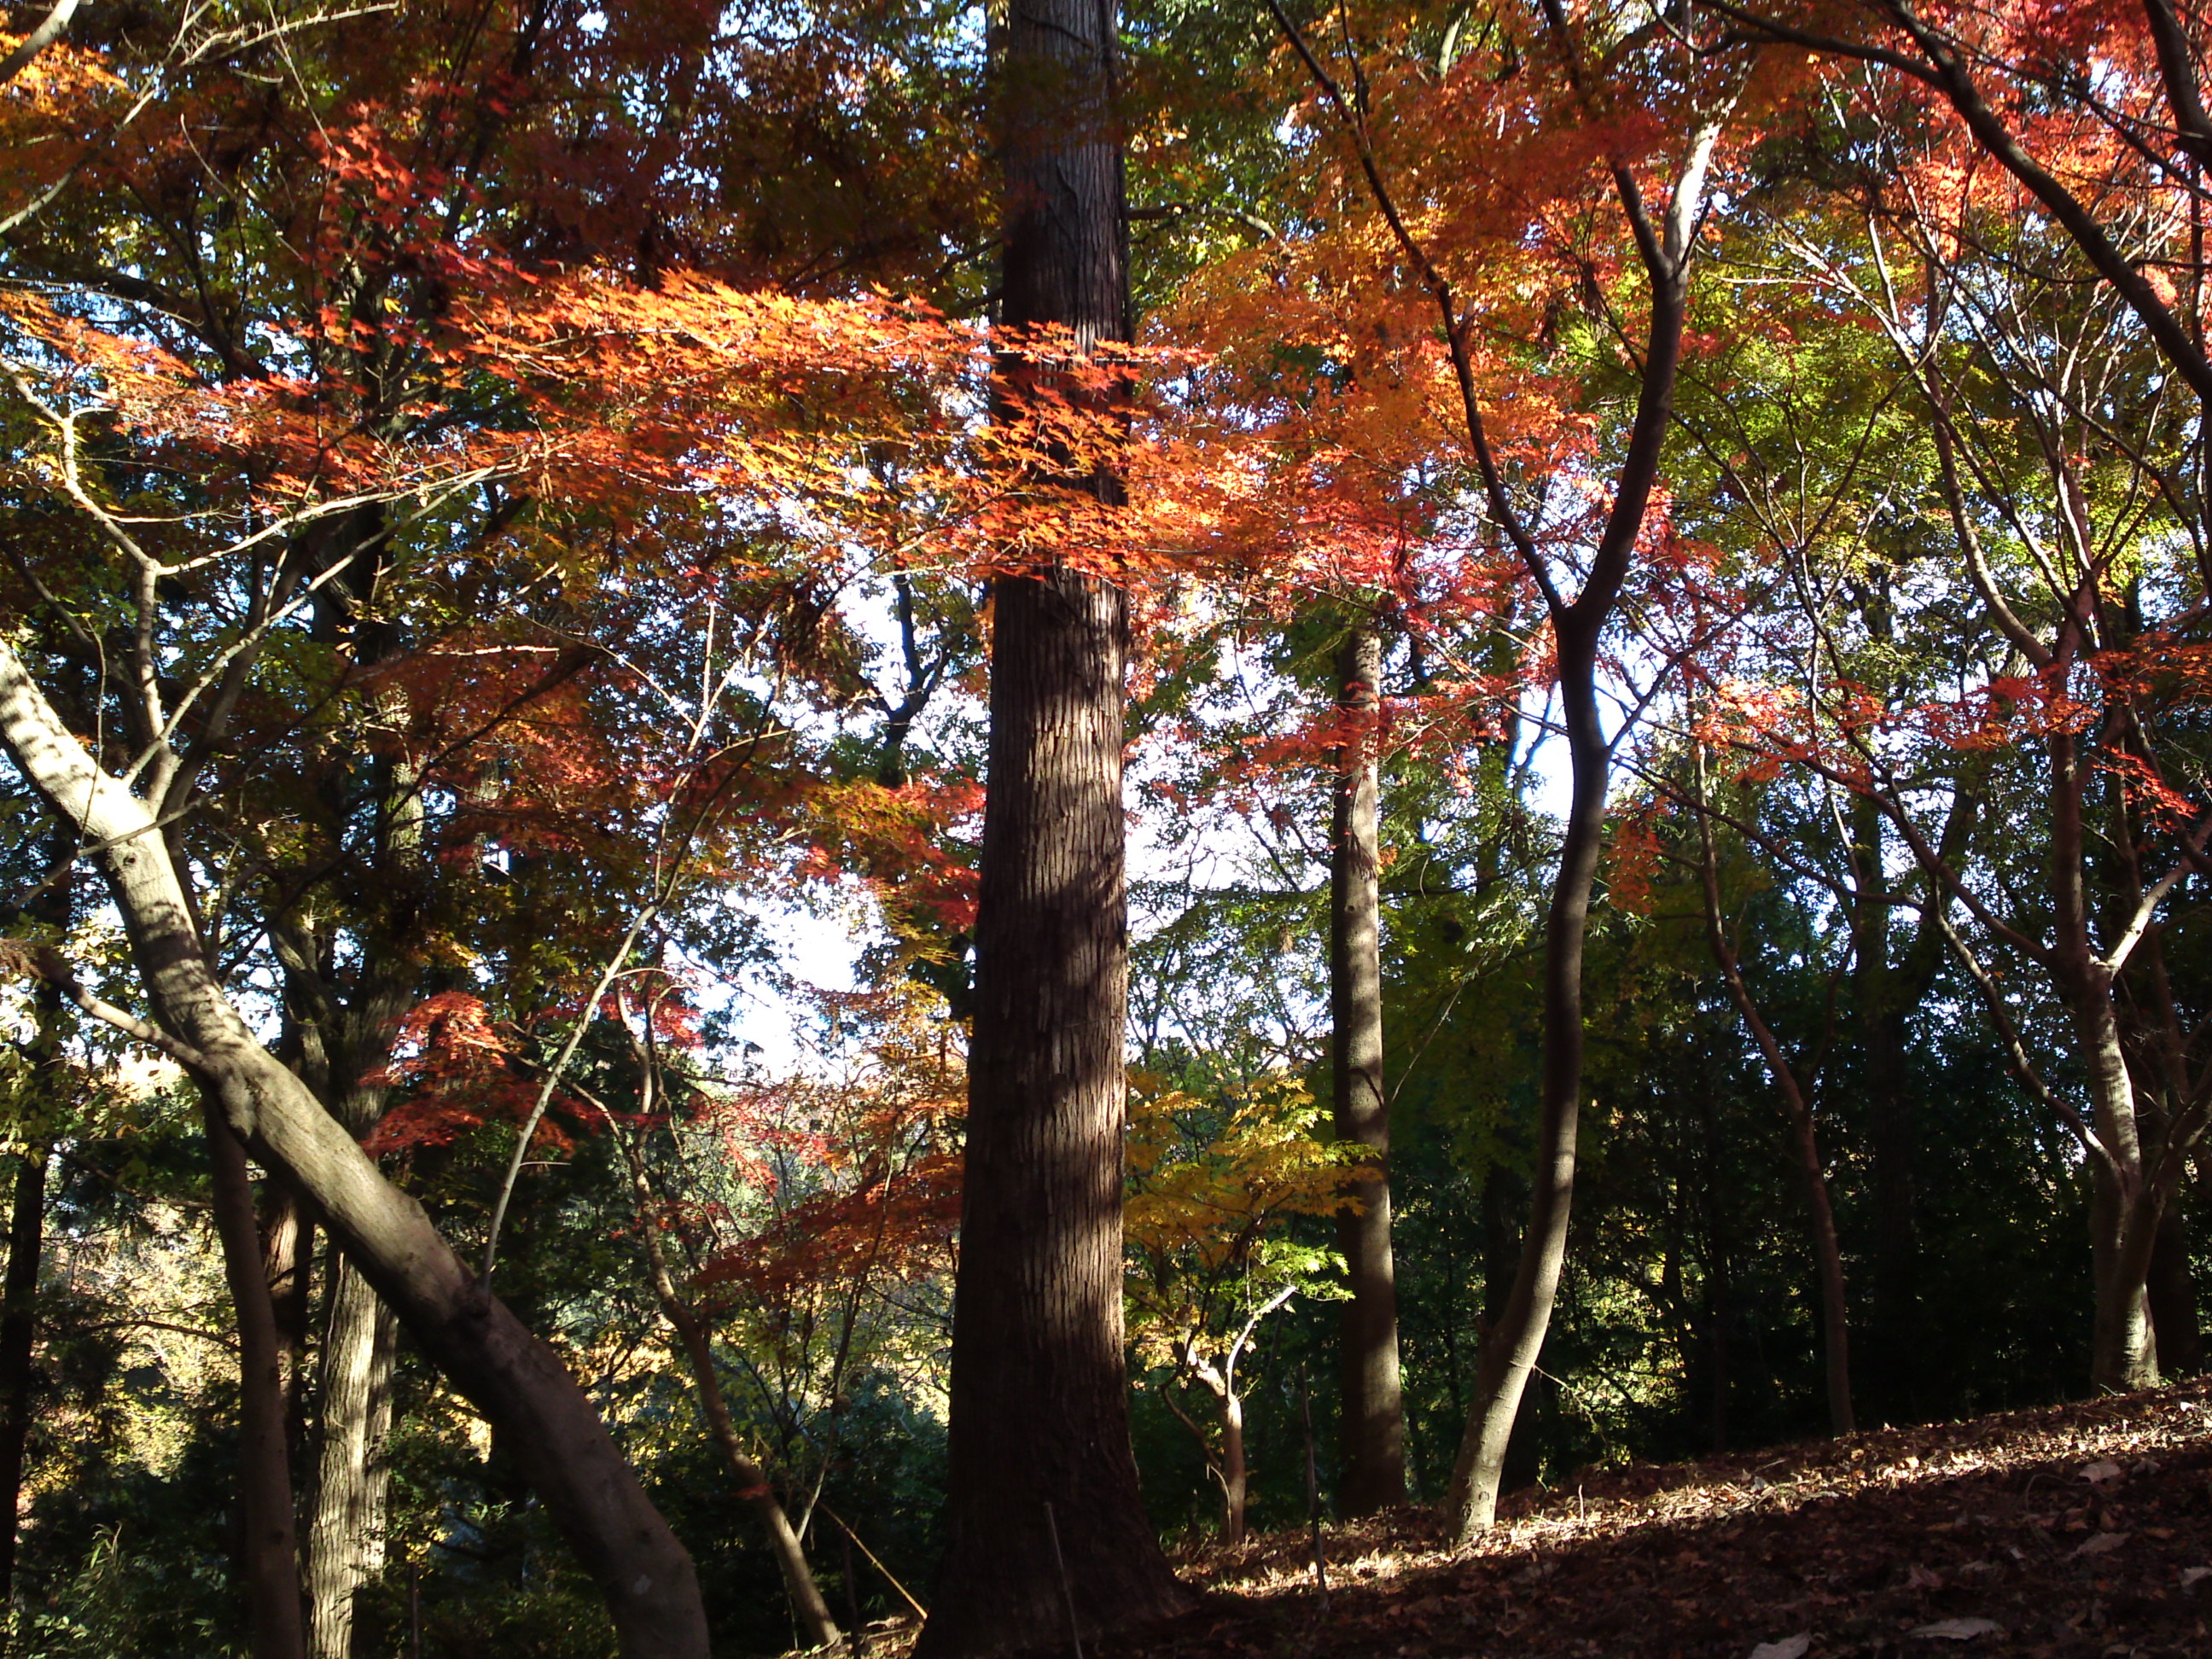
(1510, 1354)
(54, 1079)
(564, 1450)
(345, 1525)
(1371, 1421)
(347, 1041)
(269, 1560)
(1039, 1396)
(1039, 1413)
(346, 1509)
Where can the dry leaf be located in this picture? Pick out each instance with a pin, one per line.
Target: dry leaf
(2103, 1544)
(2193, 1577)
(2102, 1470)
(1961, 1630)
(1789, 1647)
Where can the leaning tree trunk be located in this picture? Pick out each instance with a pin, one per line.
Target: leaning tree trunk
(1371, 1423)
(1510, 1354)
(1042, 1508)
(269, 1559)
(563, 1449)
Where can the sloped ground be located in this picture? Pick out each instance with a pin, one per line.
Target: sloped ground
(2084, 1530)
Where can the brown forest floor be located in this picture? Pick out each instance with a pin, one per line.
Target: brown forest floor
(2080, 1530)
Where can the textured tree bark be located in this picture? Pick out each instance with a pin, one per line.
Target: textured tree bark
(353, 1393)
(345, 1525)
(1039, 1414)
(561, 1445)
(1039, 1396)
(269, 1557)
(1371, 1414)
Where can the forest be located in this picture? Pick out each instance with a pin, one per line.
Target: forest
(878, 825)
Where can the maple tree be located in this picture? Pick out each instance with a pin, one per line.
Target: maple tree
(1211, 1184)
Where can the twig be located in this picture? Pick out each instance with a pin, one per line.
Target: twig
(920, 1611)
(1066, 1589)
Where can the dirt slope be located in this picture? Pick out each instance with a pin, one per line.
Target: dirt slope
(2083, 1530)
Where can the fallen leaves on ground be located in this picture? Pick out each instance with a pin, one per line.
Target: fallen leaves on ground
(2082, 1532)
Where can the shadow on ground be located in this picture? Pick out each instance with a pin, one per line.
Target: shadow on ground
(2082, 1532)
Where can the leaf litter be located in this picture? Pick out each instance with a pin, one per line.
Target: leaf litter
(2076, 1531)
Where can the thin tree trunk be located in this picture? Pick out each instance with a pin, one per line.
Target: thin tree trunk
(1881, 1020)
(1235, 1478)
(1509, 1355)
(2123, 1356)
(287, 1245)
(1508, 1358)
(27, 1222)
(808, 1606)
(27, 1226)
(269, 1558)
(563, 1448)
(1039, 1396)
(1828, 1249)
(1371, 1420)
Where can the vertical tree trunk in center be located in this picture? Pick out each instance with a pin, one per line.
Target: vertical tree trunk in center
(1039, 1396)
(1039, 1412)
(1372, 1427)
